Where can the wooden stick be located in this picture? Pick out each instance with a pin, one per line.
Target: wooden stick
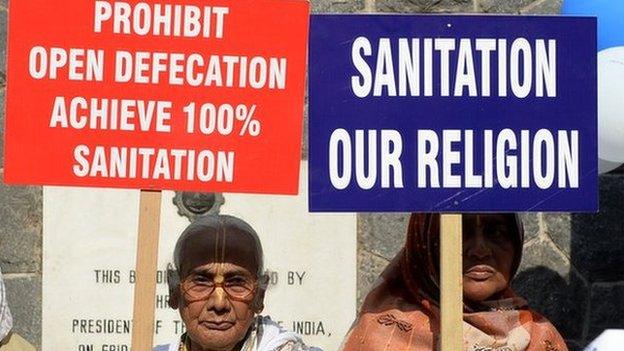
(451, 292)
(146, 266)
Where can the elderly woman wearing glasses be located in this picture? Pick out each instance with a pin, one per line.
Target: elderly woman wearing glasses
(219, 290)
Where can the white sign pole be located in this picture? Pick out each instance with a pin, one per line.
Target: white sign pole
(451, 291)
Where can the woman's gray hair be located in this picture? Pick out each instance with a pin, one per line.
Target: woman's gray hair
(216, 223)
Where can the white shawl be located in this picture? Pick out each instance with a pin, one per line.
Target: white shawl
(266, 336)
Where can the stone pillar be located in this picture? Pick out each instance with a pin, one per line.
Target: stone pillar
(20, 256)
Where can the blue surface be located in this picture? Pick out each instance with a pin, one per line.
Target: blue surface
(610, 15)
(333, 105)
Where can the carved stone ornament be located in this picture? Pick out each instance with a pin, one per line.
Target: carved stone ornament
(194, 204)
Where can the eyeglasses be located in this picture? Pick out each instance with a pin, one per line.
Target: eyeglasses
(197, 288)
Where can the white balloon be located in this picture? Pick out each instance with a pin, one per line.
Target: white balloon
(611, 104)
(606, 166)
(609, 340)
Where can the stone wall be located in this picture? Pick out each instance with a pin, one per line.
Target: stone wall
(573, 266)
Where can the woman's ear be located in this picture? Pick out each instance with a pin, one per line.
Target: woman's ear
(174, 299)
(173, 281)
(257, 305)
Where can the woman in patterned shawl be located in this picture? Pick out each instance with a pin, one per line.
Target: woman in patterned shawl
(402, 310)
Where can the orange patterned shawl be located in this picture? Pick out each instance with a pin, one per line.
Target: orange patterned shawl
(401, 311)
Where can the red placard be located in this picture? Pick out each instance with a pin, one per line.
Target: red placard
(185, 95)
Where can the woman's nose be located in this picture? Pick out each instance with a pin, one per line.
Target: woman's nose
(219, 300)
(477, 246)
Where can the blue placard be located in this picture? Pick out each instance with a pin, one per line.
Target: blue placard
(452, 113)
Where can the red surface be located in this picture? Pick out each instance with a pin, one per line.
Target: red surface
(38, 154)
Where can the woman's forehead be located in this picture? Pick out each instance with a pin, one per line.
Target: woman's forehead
(204, 249)
(226, 269)
(210, 265)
